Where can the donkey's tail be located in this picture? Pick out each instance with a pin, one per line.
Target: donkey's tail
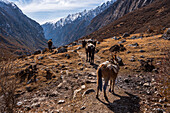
(99, 79)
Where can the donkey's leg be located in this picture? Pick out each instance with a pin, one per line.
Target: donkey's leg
(97, 93)
(114, 79)
(105, 87)
(110, 89)
(86, 56)
(90, 56)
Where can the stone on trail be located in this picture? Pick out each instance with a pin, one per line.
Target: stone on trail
(122, 41)
(146, 84)
(61, 101)
(142, 51)
(75, 92)
(134, 45)
(82, 108)
(88, 91)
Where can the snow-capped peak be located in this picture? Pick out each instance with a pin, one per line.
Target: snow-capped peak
(84, 14)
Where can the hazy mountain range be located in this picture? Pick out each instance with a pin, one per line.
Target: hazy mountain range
(70, 28)
(75, 26)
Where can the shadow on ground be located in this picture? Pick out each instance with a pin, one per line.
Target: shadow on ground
(126, 104)
(94, 65)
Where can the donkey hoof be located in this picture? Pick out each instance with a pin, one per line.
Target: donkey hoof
(106, 98)
(97, 97)
(113, 92)
(110, 90)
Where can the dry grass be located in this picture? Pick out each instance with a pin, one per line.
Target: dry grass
(7, 87)
(153, 46)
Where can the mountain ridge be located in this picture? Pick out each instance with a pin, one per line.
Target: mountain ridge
(78, 28)
(62, 35)
(115, 11)
(155, 16)
(24, 33)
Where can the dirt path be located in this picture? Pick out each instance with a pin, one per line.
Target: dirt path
(121, 102)
(73, 89)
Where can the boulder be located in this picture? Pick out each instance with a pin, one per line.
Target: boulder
(114, 48)
(37, 52)
(115, 38)
(40, 58)
(29, 89)
(134, 45)
(74, 43)
(122, 41)
(45, 50)
(132, 59)
(166, 35)
(125, 35)
(78, 47)
(142, 51)
(133, 37)
(117, 48)
(126, 80)
(82, 108)
(119, 38)
(62, 50)
(128, 52)
(67, 55)
(146, 65)
(142, 56)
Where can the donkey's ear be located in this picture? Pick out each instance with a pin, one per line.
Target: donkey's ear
(115, 54)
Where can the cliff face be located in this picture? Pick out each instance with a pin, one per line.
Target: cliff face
(115, 11)
(18, 32)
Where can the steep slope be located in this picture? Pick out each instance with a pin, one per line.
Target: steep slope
(115, 11)
(154, 16)
(72, 27)
(17, 31)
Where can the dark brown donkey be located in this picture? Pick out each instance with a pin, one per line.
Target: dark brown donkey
(90, 49)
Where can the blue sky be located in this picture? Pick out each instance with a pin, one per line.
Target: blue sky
(52, 10)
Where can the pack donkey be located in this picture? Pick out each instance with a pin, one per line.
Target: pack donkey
(109, 71)
(90, 49)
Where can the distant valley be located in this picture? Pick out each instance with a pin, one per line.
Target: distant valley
(75, 26)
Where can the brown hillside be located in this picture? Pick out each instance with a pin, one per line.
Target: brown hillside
(68, 84)
(154, 16)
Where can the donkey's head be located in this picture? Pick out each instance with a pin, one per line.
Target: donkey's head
(116, 60)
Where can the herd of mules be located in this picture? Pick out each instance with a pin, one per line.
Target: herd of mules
(107, 70)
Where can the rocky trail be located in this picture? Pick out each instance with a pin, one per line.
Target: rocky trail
(66, 83)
